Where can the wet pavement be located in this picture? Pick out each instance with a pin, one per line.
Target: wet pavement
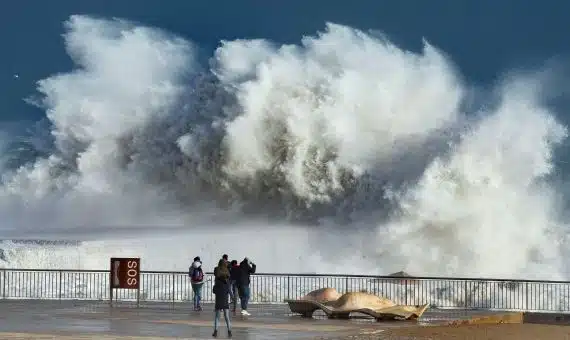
(37, 319)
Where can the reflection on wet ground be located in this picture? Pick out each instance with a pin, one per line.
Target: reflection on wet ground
(98, 320)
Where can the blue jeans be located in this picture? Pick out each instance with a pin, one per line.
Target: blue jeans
(226, 316)
(233, 294)
(244, 296)
(197, 288)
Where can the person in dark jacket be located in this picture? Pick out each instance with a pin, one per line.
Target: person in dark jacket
(243, 280)
(234, 273)
(221, 292)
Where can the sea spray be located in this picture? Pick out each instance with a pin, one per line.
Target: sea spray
(343, 153)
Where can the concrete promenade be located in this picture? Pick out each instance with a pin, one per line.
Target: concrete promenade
(37, 319)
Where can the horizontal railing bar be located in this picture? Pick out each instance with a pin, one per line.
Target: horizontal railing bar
(434, 278)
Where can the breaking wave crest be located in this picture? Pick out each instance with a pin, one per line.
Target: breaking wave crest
(354, 141)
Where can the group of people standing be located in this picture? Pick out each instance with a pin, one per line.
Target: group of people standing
(231, 280)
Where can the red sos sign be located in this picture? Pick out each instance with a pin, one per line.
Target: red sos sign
(125, 273)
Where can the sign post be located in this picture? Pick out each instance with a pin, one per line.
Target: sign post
(124, 274)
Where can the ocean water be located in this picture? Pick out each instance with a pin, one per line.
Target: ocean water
(312, 138)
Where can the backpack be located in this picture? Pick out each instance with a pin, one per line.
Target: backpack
(196, 275)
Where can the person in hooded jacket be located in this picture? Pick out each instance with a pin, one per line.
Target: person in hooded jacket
(221, 292)
(243, 280)
(197, 280)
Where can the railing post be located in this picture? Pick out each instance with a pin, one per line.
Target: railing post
(406, 292)
(526, 296)
(465, 293)
(288, 287)
(173, 288)
(346, 284)
(60, 283)
(3, 283)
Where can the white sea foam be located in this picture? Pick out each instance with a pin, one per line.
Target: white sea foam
(342, 154)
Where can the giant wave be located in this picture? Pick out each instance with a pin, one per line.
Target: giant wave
(343, 153)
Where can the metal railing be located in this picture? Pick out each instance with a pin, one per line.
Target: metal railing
(275, 288)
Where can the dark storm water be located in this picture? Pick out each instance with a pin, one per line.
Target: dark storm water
(484, 38)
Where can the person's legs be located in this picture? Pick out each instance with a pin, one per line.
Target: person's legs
(242, 300)
(232, 295)
(228, 322)
(199, 296)
(197, 289)
(195, 295)
(246, 295)
(216, 317)
(234, 290)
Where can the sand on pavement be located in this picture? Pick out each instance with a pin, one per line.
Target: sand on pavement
(483, 332)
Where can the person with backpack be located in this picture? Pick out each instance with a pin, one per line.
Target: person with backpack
(197, 280)
(243, 280)
(221, 291)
